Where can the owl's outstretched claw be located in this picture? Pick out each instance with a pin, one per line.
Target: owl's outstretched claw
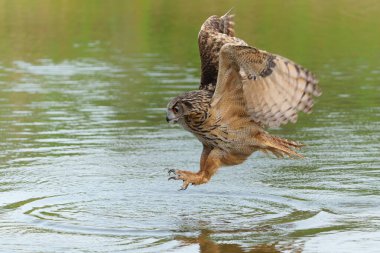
(188, 178)
(185, 183)
(175, 177)
(184, 186)
(178, 177)
(171, 171)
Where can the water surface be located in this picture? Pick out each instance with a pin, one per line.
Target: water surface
(84, 143)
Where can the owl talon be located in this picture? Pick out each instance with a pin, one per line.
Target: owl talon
(175, 177)
(186, 176)
(171, 171)
(184, 186)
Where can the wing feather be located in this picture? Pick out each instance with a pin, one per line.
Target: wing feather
(274, 88)
(214, 33)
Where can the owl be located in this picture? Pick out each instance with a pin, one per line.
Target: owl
(243, 91)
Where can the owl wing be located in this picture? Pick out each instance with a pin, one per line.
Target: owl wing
(215, 32)
(271, 89)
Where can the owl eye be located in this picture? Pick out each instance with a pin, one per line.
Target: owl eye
(175, 109)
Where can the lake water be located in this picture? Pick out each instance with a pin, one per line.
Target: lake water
(84, 145)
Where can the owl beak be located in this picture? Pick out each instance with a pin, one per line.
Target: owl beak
(170, 117)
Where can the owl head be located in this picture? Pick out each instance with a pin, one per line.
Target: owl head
(179, 107)
(192, 105)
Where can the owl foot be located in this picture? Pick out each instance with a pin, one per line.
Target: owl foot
(187, 177)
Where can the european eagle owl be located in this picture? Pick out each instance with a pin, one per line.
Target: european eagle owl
(242, 91)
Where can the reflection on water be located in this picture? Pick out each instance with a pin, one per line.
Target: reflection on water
(85, 146)
(206, 245)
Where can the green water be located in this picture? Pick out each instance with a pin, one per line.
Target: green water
(84, 143)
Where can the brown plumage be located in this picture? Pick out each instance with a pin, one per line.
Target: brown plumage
(242, 91)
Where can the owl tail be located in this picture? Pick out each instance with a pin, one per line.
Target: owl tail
(278, 146)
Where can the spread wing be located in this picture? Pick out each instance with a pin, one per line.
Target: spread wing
(214, 33)
(273, 89)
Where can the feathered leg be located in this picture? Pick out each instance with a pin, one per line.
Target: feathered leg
(209, 164)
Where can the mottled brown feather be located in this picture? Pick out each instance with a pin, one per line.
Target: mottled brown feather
(214, 33)
(274, 88)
